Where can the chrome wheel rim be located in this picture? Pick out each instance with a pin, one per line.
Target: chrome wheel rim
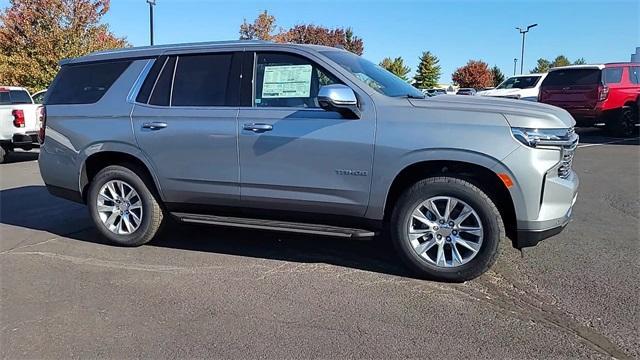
(445, 231)
(119, 207)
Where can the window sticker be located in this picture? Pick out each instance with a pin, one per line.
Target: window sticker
(287, 81)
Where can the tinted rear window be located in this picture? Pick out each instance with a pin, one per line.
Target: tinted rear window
(14, 97)
(162, 87)
(573, 77)
(202, 80)
(84, 83)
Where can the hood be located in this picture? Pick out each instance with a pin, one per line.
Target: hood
(518, 113)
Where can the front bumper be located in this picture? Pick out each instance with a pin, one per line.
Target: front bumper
(531, 236)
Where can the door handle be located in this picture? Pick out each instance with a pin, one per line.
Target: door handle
(258, 128)
(155, 125)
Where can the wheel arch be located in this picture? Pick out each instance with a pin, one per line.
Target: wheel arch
(115, 155)
(480, 175)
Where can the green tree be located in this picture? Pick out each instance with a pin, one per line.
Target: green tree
(560, 60)
(429, 71)
(36, 34)
(542, 66)
(396, 66)
(580, 61)
(497, 75)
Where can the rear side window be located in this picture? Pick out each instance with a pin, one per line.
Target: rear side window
(14, 97)
(634, 74)
(203, 80)
(573, 77)
(150, 81)
(612, 75)
(85, 83)
(161, 91)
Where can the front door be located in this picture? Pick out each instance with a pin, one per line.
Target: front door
(295, 156)
(187, 127)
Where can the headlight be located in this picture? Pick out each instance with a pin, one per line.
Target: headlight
(544, 137)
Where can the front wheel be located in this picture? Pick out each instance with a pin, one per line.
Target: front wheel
(123, 206)
(446, 229)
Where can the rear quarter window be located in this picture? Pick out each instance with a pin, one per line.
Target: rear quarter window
(634, 74)
(84, 83)
(572, 77)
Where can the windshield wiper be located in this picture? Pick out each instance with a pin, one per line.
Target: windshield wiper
(412, 96)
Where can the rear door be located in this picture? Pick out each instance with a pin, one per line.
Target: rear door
(296, 156)
(572, 88)
(185, 122)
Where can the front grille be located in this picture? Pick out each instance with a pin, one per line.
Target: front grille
(568, 152)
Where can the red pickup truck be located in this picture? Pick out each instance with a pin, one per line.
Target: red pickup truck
(594, 94)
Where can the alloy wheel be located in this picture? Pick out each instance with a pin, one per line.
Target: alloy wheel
(119, 207)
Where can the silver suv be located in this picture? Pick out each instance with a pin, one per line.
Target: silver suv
(307, 139)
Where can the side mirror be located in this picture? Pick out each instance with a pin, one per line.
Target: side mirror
(339, 98)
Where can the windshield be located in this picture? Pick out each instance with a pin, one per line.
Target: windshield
(520, 82)
(373, 75)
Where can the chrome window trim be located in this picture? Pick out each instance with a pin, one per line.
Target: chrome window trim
(135, 89)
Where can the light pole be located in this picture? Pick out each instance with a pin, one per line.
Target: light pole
(152, 3)
(524, 32)
(515, 63)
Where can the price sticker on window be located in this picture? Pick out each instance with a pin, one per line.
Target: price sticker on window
(287, 81)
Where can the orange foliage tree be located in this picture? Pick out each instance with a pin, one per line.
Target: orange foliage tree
(475, 74)
(36, 34)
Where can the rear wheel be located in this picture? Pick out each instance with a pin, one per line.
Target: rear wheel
(446, 229)
(624, 123)
(4, 152)
(123, 207)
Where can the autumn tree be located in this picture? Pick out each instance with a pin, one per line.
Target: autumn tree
(261, 29)
(36, 34)
(396, 66)
(264, 28)
(428, 73)
(496, 75)
(580, 61)
(475, 74)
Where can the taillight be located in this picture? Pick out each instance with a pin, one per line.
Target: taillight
(42, 120)
(18, 118)
(603, 92)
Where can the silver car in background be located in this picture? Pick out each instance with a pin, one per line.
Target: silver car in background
(308, 139)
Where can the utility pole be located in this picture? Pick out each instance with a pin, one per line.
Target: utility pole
(152, 3)
(524, 32)
(515, 63)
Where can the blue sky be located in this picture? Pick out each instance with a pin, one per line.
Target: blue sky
(454, 30)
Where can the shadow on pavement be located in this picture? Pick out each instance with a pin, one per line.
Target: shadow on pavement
(20, 156)
(601, 135)
(70, 220)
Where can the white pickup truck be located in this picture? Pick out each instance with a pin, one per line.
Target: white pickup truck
(19, 123)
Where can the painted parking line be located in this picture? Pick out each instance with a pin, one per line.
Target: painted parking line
(608, 142)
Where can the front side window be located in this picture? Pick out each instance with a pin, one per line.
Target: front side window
(612, 75)
(287, 80)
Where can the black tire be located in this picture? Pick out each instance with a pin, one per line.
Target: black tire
(152, 214)
(624, 123)
(3, 154)
(493, 228)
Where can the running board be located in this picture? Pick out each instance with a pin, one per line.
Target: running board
(287, 226)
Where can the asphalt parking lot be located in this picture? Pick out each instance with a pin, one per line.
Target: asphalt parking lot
(220, 293)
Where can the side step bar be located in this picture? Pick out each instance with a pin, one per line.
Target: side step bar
(287, 226)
